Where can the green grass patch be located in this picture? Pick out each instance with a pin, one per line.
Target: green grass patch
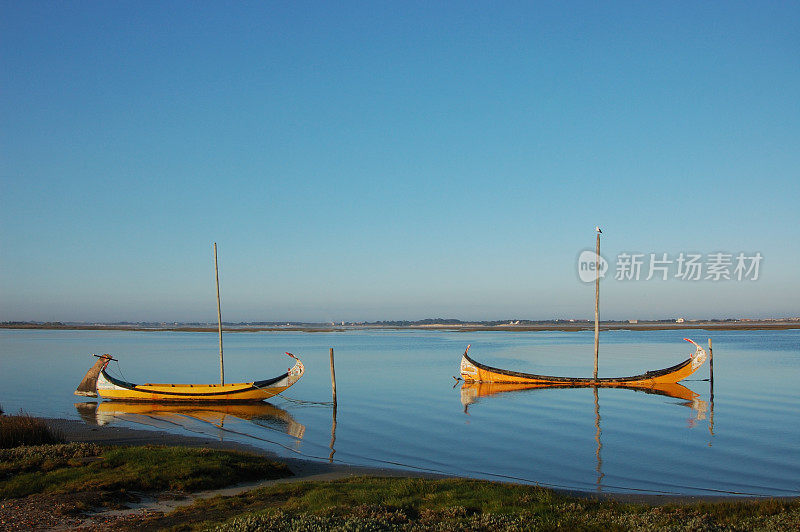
(366, 503)
(87, 467)
(23, 429)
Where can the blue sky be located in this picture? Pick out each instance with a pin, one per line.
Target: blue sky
(376, 160)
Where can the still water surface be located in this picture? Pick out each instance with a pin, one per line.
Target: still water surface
(398, 406)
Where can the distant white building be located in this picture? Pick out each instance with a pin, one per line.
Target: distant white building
(680, 320)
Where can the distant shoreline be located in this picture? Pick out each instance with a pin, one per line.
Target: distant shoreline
(466, 327)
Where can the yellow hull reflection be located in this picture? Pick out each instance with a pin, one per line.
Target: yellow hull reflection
(109, 411)
(472, 391)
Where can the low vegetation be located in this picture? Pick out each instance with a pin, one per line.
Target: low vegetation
(23, 429)
(366, 503)
(80, 467)
(80, 476)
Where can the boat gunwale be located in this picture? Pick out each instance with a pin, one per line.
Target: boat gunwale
(256, 385)
(580, 380)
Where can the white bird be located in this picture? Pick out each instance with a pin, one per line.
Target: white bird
(597, 228)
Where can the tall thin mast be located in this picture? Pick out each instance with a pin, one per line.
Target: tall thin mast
(219, 320)
(597, 301)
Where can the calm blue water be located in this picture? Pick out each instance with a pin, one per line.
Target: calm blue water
(398, 406)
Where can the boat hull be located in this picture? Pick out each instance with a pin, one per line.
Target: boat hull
(472, 371)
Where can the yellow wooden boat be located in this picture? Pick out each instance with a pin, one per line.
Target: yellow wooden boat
(472, 371)
(98, 382)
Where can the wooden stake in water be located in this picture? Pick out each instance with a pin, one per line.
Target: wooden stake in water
(333, 382)
(597, 302)
(219, 320)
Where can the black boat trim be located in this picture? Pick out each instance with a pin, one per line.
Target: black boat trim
(582, 380)
(255, 386)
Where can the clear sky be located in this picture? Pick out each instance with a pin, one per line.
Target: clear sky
(394, 160)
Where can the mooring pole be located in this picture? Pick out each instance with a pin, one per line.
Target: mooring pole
(597, 303)
(219, 320)
(333, 382)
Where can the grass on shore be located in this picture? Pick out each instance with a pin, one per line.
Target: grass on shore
(357, 503)
(367, 503)
(23, 429)
(79, 467)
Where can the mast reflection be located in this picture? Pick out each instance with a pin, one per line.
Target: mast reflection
(472, 392)
(597, 434)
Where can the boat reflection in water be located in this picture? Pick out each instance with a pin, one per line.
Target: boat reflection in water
(262, 414)
(472, 392)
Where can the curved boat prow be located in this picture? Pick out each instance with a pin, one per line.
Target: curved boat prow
(468, 370)
(698, 357)
(295, 372)
(88, 386)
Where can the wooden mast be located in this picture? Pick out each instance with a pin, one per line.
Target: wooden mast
(219, 321)
(597, 302)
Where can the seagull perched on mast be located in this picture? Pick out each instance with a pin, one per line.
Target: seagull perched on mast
(597, 228)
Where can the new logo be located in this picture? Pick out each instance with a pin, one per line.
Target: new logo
(589, 268)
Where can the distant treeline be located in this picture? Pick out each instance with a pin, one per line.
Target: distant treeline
(34, 323)
(384, 323)
(495, 323)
